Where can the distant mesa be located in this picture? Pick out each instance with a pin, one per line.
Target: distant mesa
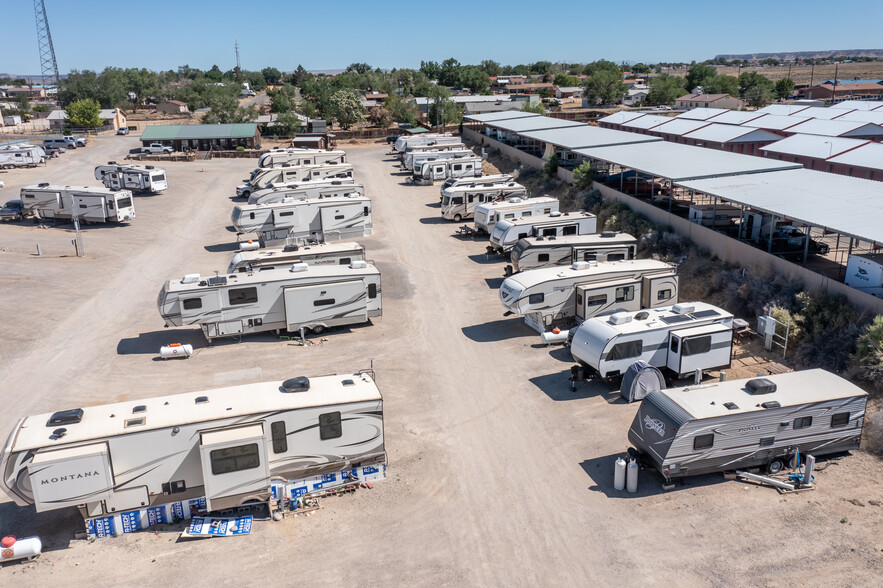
(789, 56)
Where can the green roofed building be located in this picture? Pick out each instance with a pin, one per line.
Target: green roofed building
(203, 137)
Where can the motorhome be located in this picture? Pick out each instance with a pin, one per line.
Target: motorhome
(137, 178)
(304, 190)
(405, 141)
(267, 177)
(12, 156)
(681, 339)
(487, 215)
(458, 167)
(714, 216)
(227, 446)
(532, 253)
(460, 202)
(561, 295)
(479, 181)
(289, 298)
(314, 219)
(506, 232)
(740, 424)
(316, 254)
(296, 156)
(865, 272)
(90, 204)
(415, 160)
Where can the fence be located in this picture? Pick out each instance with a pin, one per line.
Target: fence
(233, 154)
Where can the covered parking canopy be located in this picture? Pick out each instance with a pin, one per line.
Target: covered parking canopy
(533, 123)
(488, 117)
(846, 205)
(678, 162)
(576, 137)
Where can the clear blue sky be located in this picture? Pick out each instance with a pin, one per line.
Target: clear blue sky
(163, 34)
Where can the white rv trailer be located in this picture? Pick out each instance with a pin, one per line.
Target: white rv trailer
(560, 295)
(506, 233)
(12, 156)
(296, 156)
(532, 253)
(487, 215)
(314, 219)
(265, 178)
(460, 202)
(458, 167)
(137, 178)
(740, 424)
(304, 190)
(865, 272)
(478, 181)
(315, 254)
(91, 204)
(682, 338)
(288, 298)
(430, 148)
(405, 141)
(225, 444)
(414, 161)
(714, 216)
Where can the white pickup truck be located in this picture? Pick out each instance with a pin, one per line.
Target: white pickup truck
(79, 141)
(157, 148)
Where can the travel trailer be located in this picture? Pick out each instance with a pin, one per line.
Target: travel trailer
(479, 181)
(275, 257)
(304, 190)
(265, 178)
(865, 272)
(681, 339)
(414, 161)
(460, 202)
(314, 219)
(740, 424)
(458, 167)
(487, 215)
(435, 147)
(296, 156)
(506, 233)
(226, 445)
(137, 178)
(289, 298)
(405, 142)
(91, 204)
(714, 216)
(532, 253)
(22, 155)
(560, 295)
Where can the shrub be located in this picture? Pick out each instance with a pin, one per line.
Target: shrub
(582, 175)
(551, 167)
(869, 353)
(240, 148)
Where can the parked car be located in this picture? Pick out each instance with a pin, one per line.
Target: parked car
(79, 141)
(157, 148)
(60, 142)
(790, 242)
(392, 139)
(53, 150)
(12, 211)
(123, 131)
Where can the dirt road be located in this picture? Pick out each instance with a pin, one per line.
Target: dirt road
(497, 472)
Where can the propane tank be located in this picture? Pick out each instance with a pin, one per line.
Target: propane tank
(631, 480)
(176, 350)
(249, 246)
(550, 337)
(619, 474)
(12, 549)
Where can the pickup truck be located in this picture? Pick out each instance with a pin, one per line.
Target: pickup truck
(157, 148)
(789, 242)
(80, 141)
(13, 210)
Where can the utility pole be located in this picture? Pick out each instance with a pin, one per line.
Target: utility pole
(238, 67)
(48, 65)
(834, 91)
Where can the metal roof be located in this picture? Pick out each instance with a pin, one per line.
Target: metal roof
(647, 122)
(822, 113)
(782, 109)
(817, 146)
(587, 136)
(495, 116)
(534, 123)
(617, 118)
(702, 113)
(869, 155)
(775, 122)
(839, 128)
(859, 105)
(183, 132)
(681, 126)
(718, 133)
(869, 116)
(847, 205)
(678, 162)
(737, 117)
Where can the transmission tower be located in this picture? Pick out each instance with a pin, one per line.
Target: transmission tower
(48, 65)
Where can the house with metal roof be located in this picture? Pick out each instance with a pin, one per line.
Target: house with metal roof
(110, 117)
(691, 101)
(203, 137)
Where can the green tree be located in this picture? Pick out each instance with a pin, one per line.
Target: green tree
(551, 166)
(534, 107)
(474, 78)
(722, 85)
(401, 110)
(566, 80)
(640, 68)
(224, 108)
(255, 80)
(83, 113)
(450, 70)
(605, 86)
(583, 174)
(287, 124)
(346, 107)
(665, 88)
(359, 68)
(299, 76)
(491, 67)
(79, 85)
(272, 76)
(380, 117)
(431, 69)
(784, 87)
(698, 75)
(602, 65)
(443, 110)
(141, 83)
(214, 74)
(24, 105)
(280, 102)
(758, 96)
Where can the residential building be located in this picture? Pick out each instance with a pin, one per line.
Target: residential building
(172, 107)
(691, 101)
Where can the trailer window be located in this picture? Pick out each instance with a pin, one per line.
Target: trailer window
(625, 350)
(569, 230)
(505, 216)
(589, 256)
(527, 213)
(325, 302)
(192, 303)
(235, 459)
(663, 295)
(615, 256)
(625, 294)
(286, 213)
(543, 257)
(280, 441)
(457, 200)
(243, 296)
(697, 345)
(703, 441)
(675, 343)
(598, 300)
(344, 261)
(372, 290)
(536, 298)
(329, 426)
(802, 422)
(841, 419)
(124, 202)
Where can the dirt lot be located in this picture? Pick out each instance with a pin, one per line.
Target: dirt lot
(804, 74)
(497, 472)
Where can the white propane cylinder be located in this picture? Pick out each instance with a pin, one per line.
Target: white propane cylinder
(176, 350)
(13, 549)
(619, 474)
(550, 337)
(249, 246)
(631, 478)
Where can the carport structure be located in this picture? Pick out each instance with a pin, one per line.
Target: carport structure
(566, 140)
(513, 131)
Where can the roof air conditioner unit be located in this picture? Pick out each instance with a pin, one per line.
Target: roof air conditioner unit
(619, 318)
(683, 308)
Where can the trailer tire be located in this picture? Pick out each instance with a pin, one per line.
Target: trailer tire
(457, 218)
(775, 466)
(317, 329)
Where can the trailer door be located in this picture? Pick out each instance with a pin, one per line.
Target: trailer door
(285, 218)
(699, 348)
(91, 208)
(234, 464)
(659, 291)
(438, 172)
(326, 304)
(339, 220)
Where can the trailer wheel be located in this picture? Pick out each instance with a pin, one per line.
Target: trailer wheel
(775, 466)
(457, 218)
(317, 330)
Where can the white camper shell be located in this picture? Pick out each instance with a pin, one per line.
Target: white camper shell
(279, 299)
(265, 178)
(741, 424)
(137, 178)
(532, 253)
(460, 202)
(682, 339)
(414, 161)
(865, 272)
(458, 167)
(315, 254)
(225, 444)
(91, 204)
(405, 142)
(487, 215)
(560, 295)
(297, 156)
(305, 190)
(13, 156)
(313, 219)
(506, 233)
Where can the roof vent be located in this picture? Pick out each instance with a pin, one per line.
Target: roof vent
(619, 318)
(731, 405)
(761, 386)
(190, 278)
(200, 400)
(65, 417)
(642, 316)
(771, 404)
(148, 167)
(683, 308)
(299, 267)
(111, 163)
(358, 264)
(298, 384)
(580, 265)
(514, 200)
(43, 184)
(289, 248)
(139, 408)
(555, 213)
(348, 382)
(608, 234)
